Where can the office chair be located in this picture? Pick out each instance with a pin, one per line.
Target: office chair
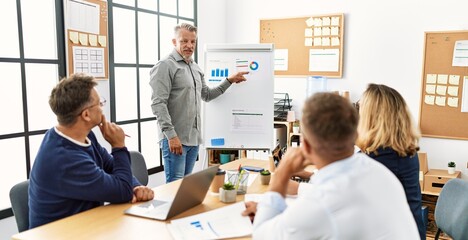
(451, 211)
(19, 204)
(139, 169)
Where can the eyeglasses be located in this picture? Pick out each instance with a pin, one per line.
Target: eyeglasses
(102, 103)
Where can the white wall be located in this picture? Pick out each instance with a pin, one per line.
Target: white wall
(383, 43)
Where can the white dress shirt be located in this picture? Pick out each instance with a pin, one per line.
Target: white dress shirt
(354, 198)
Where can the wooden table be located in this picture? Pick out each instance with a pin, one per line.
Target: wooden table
(109, 222)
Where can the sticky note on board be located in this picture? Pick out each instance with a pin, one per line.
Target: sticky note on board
(83, 39)
(326, 21)
(452, 91)
(92, 40)
(310, 22)
(74, 37)
(102, 41)
(431, 78)
(334, 31)
(452, 102)
(430, 88)
(442, 78)
(335, 21)
(440, 101)
(217, 142)
(441, 90)
(428, 99)
(454, 79)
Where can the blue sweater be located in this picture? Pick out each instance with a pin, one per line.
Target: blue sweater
(406, 169)
(68, 178)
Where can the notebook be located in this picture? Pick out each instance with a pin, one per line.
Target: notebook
(191, 192)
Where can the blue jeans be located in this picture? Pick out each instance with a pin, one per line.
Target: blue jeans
(177, 166)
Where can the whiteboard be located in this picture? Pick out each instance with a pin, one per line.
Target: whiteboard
(242, 117)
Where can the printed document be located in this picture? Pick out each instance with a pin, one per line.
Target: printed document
(225, 222)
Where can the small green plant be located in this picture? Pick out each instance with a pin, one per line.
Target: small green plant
(228, 186)
(452, 164)
(265, 172)
(296, 124)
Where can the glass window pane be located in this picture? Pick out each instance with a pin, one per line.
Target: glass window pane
(12, 167)
(131, 130)
(147, 38)
(149, 144)
(126, 2)
(11, 98)
(167, 25)
(40, 79)
(124, 36)
(125, 94)
(186, 8)
(148, 4)
(145, 94)
(10, 41)
(168, 6)
(39, 35)
(34, 144)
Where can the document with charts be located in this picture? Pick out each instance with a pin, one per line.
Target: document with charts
(225, 222)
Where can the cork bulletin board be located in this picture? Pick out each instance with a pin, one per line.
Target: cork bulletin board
(444, 96)
(306, 46)
(87, 37)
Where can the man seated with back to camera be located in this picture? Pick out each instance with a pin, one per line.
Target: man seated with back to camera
(72, 171)
(352, 197)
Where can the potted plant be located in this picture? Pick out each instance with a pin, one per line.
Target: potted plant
(227, 193)
(265, 176)
(451, 167)
(296, 127)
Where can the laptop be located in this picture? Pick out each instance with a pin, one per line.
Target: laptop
(191, 192)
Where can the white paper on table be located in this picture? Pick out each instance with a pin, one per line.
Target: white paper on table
(225, 222)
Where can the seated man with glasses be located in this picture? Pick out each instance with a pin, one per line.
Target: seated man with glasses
(72, 171)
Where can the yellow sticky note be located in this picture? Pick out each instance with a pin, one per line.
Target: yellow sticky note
(334, 31)
(326, 31)
(441, 90)
(452, 102)
(335, 41)
(428, 99)
(92, 40)
(326, 21)
(310, 22)
(102, 41)
(431, 78)
(335, 21)
(440, 101)
(442, 78)
(84, 39)
(452, 91)
(318, 41)
(325, 41)
(308, 42)
(74, 37)
(454, 79)
(430, 88)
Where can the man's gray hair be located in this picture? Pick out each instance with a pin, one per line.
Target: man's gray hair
(185, 26)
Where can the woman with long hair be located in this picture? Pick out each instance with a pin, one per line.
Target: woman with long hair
(387, 134)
